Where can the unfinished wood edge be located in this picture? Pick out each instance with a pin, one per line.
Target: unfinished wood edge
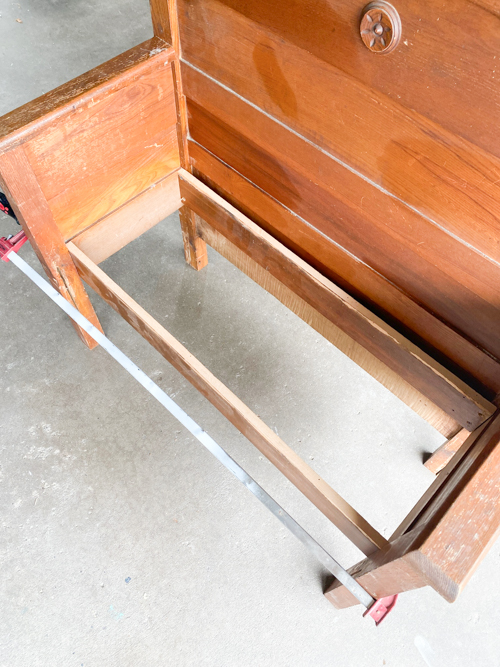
(306, 480)
(195, 248)
(454, 396)
(21, 124)
(135, 217)
(367, 361)
(440, 458)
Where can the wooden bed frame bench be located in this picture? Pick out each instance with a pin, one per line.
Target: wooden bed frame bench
(205, 118)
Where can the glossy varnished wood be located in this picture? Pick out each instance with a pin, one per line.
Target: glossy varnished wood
(436, 271)
(355, 276)
(109, 148)
(19, 125)
(450, 180)
(446, 49)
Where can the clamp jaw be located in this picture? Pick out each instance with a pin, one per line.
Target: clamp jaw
(380, 608)
(9, 244)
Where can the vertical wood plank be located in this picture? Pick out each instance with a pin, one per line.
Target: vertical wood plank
(161, 19)
(195, 249)
(452, 534)
(24, 193)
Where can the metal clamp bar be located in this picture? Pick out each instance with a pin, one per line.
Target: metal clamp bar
(220, 454)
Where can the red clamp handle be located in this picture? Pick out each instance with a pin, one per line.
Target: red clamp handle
(11, 244)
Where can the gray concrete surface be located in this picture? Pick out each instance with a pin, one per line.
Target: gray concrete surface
(123, 543)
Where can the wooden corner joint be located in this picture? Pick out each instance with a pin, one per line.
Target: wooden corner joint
(449, 538)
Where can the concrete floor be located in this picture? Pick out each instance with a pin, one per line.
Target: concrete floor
(123, 543)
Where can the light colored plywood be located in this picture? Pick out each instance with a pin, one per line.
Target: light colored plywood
(131, 220)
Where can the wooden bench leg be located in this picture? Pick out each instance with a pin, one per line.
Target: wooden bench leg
(195, 248)
(32, 210)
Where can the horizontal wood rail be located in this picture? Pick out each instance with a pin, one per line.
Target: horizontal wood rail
(333, 506)
(420, 370)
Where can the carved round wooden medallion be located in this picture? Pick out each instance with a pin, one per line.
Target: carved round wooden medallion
(380, 27)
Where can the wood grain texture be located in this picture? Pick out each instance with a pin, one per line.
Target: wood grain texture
(446, 49)
(195, 250)
(436, 270)
(323, 251)
(454, 532)
(108, 150)
(127, 223)
(448, 392)
(24, 122)
(366, 538)
(446, 178)
(367, 361)
(160, 17)
(414, 517)
(21, 187)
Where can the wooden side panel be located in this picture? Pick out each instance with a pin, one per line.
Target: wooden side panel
(131, 220)
(19, 183)
(445, 177)
(355, 276)
(366, 538)
(18, 125)
(109, 149)
(448, 392)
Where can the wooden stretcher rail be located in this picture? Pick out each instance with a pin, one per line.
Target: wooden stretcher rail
(333, 506)
(452, 395)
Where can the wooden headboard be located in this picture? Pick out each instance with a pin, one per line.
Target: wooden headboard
(382, 171)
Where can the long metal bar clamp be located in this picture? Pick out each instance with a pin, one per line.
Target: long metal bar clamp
(377, 609)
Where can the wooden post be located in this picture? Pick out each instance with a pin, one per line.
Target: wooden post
(31, 208)
(166, 26)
